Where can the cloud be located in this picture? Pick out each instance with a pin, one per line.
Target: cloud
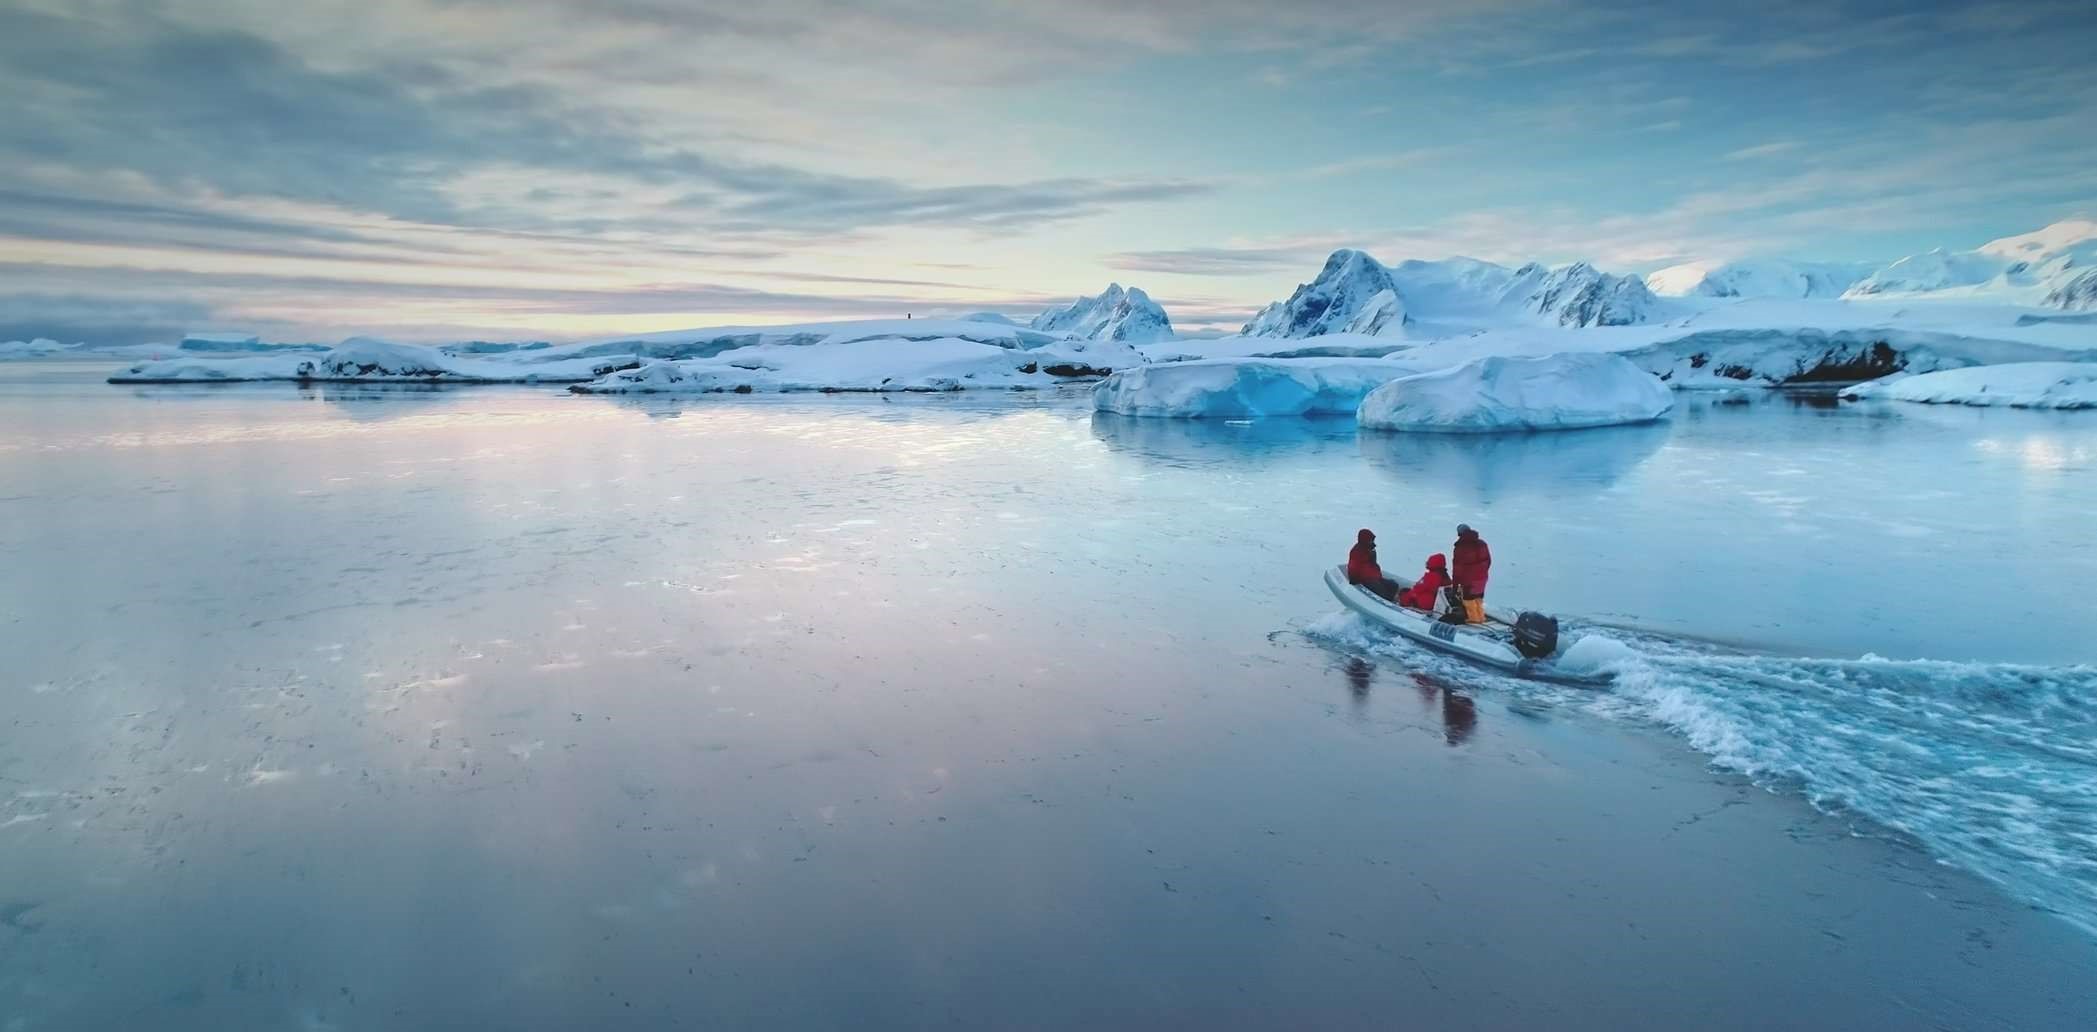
(1763, 150)
(97, 319)
(243, 115)
(1208, 261)
(514, 162)
(1380, 162)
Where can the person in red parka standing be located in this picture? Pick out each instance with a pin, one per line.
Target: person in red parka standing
(1425, 590)
(1363, 570)
(1473, 562)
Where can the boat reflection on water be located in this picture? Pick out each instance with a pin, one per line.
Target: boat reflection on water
(1458, 713)
(1489, 467)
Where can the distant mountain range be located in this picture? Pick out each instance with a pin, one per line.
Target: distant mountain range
(2055, 267)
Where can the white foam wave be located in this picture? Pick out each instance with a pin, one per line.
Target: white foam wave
(1992, 767)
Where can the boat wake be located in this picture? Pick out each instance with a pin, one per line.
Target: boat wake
(1989, 766)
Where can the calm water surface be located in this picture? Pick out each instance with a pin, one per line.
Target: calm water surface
(377, 708)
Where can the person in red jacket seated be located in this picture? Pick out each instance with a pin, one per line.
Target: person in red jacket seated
(1473, 561)
(1424, 591)
(1362, 568)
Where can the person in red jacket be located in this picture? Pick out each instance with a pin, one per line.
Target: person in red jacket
(1363, 570)
(1473, 562)
(1424, 591)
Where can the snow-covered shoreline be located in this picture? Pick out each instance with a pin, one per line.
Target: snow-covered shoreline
(2036, 385)
(868, 355)
(1746, 324)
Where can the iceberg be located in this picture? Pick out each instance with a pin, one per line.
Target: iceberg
(2039, 385)
(42, 347)
(1553, 392)
(1245, 388)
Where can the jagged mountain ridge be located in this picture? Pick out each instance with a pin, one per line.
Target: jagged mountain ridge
(1352, 293)
(2053, 267)
(1117, 313)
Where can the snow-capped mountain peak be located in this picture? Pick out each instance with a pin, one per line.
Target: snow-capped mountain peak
(2077, 294)
(2041, 267)
(1757, 277)
(1580, 295)
(1353, 293)
(2039, 245)
(1117, 313)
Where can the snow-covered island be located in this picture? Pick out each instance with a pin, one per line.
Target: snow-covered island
(866, 355)
(912, 355)
(1717, 326)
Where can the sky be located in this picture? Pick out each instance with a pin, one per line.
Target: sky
(557, 169)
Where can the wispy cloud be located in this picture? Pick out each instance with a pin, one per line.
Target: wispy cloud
(568, 163)
(1763, 150)
(1209, 261)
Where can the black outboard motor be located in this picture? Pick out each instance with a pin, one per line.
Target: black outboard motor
(1536, 635)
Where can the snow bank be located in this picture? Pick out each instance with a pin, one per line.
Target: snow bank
(1245, 388)
(2046, 385)
(1556, 392)
(1775, 342)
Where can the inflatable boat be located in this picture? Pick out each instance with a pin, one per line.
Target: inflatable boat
(1491, 643)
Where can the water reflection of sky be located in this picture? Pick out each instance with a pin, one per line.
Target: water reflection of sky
(508, 695)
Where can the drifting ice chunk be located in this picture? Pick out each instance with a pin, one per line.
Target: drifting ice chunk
(2048, 385)
(1243, 388)
(42, 347)
(1555, 392)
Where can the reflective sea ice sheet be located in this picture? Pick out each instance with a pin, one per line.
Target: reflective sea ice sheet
(384, 708)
